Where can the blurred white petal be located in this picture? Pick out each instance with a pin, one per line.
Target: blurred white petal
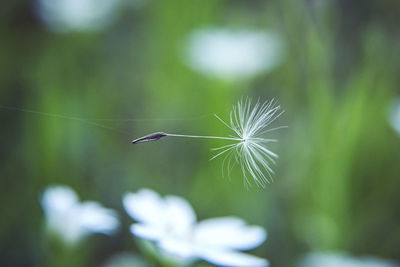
(232, 258)
(76, 15)
(126, 260)
(149, 232)
(58, 199)
(145, 206)
(229, 232)
(233, 54)
(334, 259)
(73, 220)
(172, 212)
(178, 247)
(95, 218)
(394, 115)
(179, 212)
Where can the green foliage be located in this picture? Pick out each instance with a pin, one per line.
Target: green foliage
(337, 178)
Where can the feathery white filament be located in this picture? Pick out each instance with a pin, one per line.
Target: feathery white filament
(249, 124)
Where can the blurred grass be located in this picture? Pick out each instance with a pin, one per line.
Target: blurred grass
(336, 181)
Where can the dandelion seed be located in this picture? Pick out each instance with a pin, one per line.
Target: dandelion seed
(249, 124)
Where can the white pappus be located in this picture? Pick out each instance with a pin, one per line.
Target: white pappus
(249, 123)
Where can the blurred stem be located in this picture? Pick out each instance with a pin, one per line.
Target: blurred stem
(167, 263)
(61, 254)
(158, 257)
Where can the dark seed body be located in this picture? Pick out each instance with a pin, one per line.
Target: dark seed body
(149, 137)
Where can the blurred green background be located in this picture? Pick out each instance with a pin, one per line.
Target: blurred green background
(337, 181)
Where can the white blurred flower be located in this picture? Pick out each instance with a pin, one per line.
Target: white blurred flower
(394, 114)
(171, 223)
(76, 15)
(72, 220)
(233, 54)
(342, 260)
(126, 260)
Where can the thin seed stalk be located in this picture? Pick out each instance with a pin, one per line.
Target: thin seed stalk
(205, 136)
(158, 135)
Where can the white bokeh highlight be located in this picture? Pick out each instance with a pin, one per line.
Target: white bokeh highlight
(171, 224)
(233, 54)
(64, 16)
(394, 115)
(336, 259)
(72, 220)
